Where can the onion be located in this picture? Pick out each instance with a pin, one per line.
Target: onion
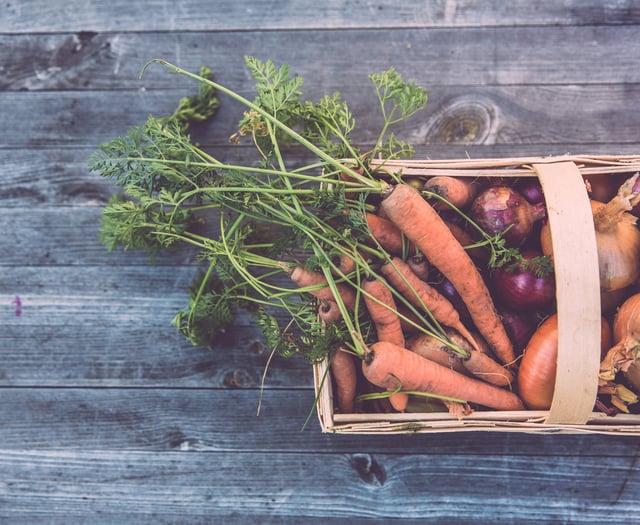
(500, 207)
(480, 254)
(522, 288)
(520, 326)
(626, 336)
(531, 189)
(537, 372)
(447, 290)
(419, 265)
(617, 237)
(604, 186)
(632, 375)
(623, 356)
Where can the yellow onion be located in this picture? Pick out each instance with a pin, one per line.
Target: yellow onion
(623, 356)
(617, 237)
(626, 336)
(537, 371)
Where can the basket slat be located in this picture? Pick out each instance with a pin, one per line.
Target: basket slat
(575, 260)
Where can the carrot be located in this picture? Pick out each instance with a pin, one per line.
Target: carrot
(431, 348)
(478, 363)
(328, 311)
(387, 365)
(406, 208)
(343, 371)
(386, 234)
(381, 306)
(420, 294)
(316, 284)
(459, 191)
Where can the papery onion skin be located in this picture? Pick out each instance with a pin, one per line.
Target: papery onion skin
(618, 250)
(626, 338)
(618, 246)
(500, 207)
(632, 375)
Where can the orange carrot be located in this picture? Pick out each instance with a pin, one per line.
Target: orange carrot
(316, 284)
(430, 348)
(328, 312)
(478, 363)
(459, 191)
(343, 371)
(387, 366)
(420, 294)
(406, 208)
(386, 234)
(381, 306)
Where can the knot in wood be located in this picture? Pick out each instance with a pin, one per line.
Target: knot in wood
(463, 121)
(369, 470)
(239, 378)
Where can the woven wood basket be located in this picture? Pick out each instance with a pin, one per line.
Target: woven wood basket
(578, 306)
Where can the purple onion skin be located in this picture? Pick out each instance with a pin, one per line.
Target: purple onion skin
(446, 289)
(500, 207)
(531, 190)
(519, 327)
(522, 290)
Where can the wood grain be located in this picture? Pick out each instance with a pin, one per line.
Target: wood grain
(434, 57)
(276, 485)
(568, 115)
(212, 419)
(109, 416)
(163, 15)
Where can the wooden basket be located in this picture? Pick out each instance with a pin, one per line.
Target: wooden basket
(578, 306)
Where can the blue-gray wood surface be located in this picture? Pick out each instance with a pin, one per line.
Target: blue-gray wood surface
(108, 416)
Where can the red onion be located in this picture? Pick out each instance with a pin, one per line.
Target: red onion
(522, 289)
(500, 207)
(447, 290)
(520, 326)
(530, 189)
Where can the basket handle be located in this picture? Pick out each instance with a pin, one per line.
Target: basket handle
(577, 291)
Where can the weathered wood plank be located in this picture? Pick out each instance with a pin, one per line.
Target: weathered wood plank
(140, 354)
(66, 235)
(473, 56)
(40, 485)
(227, 420)
(562, 115)
(93, 15)
(111, 326)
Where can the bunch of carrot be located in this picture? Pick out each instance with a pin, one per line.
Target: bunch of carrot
(410, 315)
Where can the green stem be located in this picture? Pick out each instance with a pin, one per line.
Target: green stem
(286, 129)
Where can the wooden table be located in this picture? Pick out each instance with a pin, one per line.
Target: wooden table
(108, 416)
